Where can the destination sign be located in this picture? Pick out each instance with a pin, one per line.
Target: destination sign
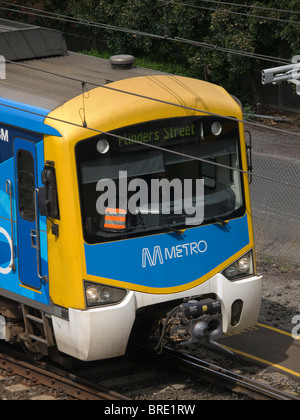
(158, 132)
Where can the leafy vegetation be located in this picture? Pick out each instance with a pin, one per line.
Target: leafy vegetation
(261, 28)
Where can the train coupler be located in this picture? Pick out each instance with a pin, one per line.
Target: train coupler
(191, 322)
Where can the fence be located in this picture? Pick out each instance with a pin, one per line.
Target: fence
(281, 96)
(276, 205)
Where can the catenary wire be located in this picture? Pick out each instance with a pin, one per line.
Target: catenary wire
(108, 87)
(169, 103)
(68, 19)
(251, 6)
(231, 12)
(166, 2)
(152, 146)
(234, 52)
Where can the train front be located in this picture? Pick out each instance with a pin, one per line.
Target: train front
(155, 241)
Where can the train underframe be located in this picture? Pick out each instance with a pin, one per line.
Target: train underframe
(102, 333)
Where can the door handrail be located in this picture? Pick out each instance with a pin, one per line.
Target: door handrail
(38, 242)
(8, 189)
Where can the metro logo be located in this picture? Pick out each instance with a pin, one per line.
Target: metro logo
(175, 252)
(4, 135)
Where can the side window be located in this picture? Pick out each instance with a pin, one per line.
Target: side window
(26, 184)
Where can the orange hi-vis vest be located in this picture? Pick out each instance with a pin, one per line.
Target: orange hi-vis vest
(115, 219)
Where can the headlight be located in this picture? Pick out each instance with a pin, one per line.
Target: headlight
(243, 267)
(99, 294)
(103, 146)
(216, 128)
(91, 294)
(231, 271)
(244, 264)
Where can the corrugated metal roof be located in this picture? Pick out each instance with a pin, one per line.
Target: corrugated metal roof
(41, 83)
(19, 41)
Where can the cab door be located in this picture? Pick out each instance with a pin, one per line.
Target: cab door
(29, 263)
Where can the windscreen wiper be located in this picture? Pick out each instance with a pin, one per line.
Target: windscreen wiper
(172, 229)
(166, 227)
(218, 220)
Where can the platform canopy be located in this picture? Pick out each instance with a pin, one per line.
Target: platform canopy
(19, 41)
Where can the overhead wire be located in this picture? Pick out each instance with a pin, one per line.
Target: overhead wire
(69, 19)
(231, 12)
(152, 146)
(255, 56)
(118, 137)
(96, 85)
(108, 87)
(194, 6)
(252, 6)
(89, 23)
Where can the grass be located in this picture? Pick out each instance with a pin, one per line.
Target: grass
(172, 67)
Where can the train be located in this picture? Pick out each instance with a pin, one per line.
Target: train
(125, 214)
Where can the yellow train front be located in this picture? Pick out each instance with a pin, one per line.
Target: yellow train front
(149, 233)
(121, 273)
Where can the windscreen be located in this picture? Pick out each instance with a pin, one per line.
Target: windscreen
(158, 176)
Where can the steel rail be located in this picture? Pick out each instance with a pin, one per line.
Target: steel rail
(61, 381)
(226, 378)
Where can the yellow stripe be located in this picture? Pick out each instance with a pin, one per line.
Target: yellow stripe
(278, 331)
(32, 290)
(266, 362)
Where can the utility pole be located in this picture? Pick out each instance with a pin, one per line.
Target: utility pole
(289, 73)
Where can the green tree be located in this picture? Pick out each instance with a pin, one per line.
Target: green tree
(260, 27)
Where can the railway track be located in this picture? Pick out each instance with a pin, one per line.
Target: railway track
(150, 377)
(133, 378)
(225, 378)
(60, 381)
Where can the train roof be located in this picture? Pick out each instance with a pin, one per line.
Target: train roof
(49, 82)
(45, 83)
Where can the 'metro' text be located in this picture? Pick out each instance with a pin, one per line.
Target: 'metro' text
(161, 255)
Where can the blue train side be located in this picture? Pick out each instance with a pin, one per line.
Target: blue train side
(23, 123)
(70, 281)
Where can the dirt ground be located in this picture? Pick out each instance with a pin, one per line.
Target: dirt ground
(281, 295)
(280, 119)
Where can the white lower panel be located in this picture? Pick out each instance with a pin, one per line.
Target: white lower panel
(96, 334)
(103, 333)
